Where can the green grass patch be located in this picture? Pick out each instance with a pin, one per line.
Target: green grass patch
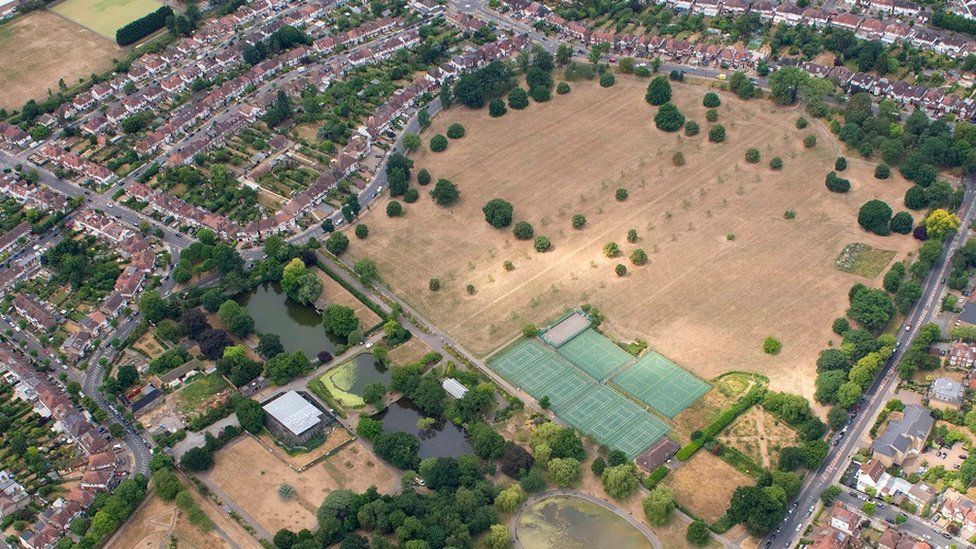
(105, 16)
(863, 260)
(197, 392)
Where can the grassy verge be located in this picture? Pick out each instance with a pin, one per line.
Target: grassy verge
(319, 390)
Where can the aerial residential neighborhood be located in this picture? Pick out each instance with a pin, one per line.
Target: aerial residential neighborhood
(487, 274)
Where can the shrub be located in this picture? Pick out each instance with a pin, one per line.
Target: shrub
(882, 171)
(752, 156)
(678, 159)
(607, 80)
(498, 213)
(789, 214)
(423, 177)
(455, 131)
(697, 533)
(711, 100)
(496, 108)
(361, 231)
(810, 141)
(508, 265)
(579, 220)
(691, 128)
(776, 163)
(518, 99)
(438, 143)
(841, 326)
(772, 346)
(621, 194)
(669, 118)
(434, 284)
(562, 88)
(875, 216)
(840, 164)
(411, 196)
(902, 223)
(632, 236)
(611, 249)
(540, 94)
(470, 289)
(638, 257)
(711, 115)
(642, 71)
(717, 133)
(523, 230)
(837, 184)
(620, 269)
(541, 244)
(394, 209)
(801, 123)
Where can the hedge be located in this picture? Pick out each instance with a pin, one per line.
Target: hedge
(143, 27)
(655, 477)
(721, 422)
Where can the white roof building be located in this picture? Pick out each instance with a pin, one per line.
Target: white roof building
(454, 388)
(294, 412)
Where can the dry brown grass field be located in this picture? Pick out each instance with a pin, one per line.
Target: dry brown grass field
(354, 468)
(760, 436)
(704, 300)
(41, 47)
(705, 469)
(333, 292)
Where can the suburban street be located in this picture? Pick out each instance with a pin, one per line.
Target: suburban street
(913, 525)
(880, 391)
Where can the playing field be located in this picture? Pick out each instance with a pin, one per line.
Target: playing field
(40, 48)
(593, 408)
(594, 354)
(105, 16)
(725, 271)
(661, 384)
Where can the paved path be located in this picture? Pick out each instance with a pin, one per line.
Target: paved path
(656, 543)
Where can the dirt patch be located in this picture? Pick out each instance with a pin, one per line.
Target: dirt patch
(156, 522)
(704, 300)
(148, 345)
(354, 468)
(38, 49)
(411, 351)
(333, 292)
(337, 437)
(704, 469)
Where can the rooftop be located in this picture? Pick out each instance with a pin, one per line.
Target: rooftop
(294, 412)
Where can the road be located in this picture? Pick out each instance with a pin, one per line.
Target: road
(913, 525)
(879, 392)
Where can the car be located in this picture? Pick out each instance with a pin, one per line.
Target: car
(946, 535)
(799, 527)
(908, 327)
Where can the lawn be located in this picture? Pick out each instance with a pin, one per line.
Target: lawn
(40, 48)
(705, 470)
(863, 260)
(197, 392)
(105, 16)
(704, 300)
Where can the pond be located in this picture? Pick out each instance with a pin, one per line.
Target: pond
(567, 522)
(298, 326)
(347, 381)
(444, 439)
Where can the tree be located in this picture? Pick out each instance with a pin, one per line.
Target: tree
(810, 141)
(339, 320)
(498, 213)
(875, 216)
(752, 156)
(562, 88)
(213, 342)
(455, 131)
(518, 99)
(776, 163)
(658, 91)
(638, 257)
(299, 282)
(399, 449)
(579, 221)
(366, 269)
(369, 428)
(541, 244)
(394, 209)
(523, 230)
(741, 85)
(902, 223)
(411, 141)
(496, 108)
(691, 129)
(515, 460)
(771, 346)
(269, 345)
(250, 414)
(235, 318)
(659, 506)
(620, 481)
(828, 382)
(698, 533)
(711, 100)
(498, 537)
(197, 459)
(711, 115)
(438, 143)
(716, 134)
(607, 80)
(565, 472)
(882, 171)
(611, 249)
(837, 184)
(488, 444)
(785, 84)
(840, 164)
(940, 223)
(509, 499)
(152, 307)
(669, 118)
(445, 193)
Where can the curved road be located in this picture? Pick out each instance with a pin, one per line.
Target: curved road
(513, 522)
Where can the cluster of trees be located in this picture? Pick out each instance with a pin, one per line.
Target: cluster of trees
(283, 39)
(763, 506)
(341, 322)
(474, 88)
(300, 283)
(284, 367)
(238, 367)
(235, 318)
(143, 27)
(219, 191)
(77, 262)
(206, 255)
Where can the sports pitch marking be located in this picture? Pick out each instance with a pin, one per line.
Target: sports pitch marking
(538, 371)
(594, 354)
(615, 421)
(661, 384)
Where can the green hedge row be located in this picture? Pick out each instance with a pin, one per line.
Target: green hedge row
(722, 421)
(655, 477)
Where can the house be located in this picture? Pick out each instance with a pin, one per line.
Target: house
(871, 475)
(959, 508)
(968, 314)
(903, 438)
(295, 419)
(893, 538)
(13, 497)
(843, 519)
(34, 312)
(946, 393)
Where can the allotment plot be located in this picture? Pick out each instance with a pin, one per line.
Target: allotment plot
(661, 384)
(594, 354)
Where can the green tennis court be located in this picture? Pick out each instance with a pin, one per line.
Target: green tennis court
(594, 354)
(540, 372)
(614, 421)
(661, 384)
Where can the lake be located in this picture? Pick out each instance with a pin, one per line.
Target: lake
(298, 326)
(566, 522)
(347, 382)
(444, 439)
